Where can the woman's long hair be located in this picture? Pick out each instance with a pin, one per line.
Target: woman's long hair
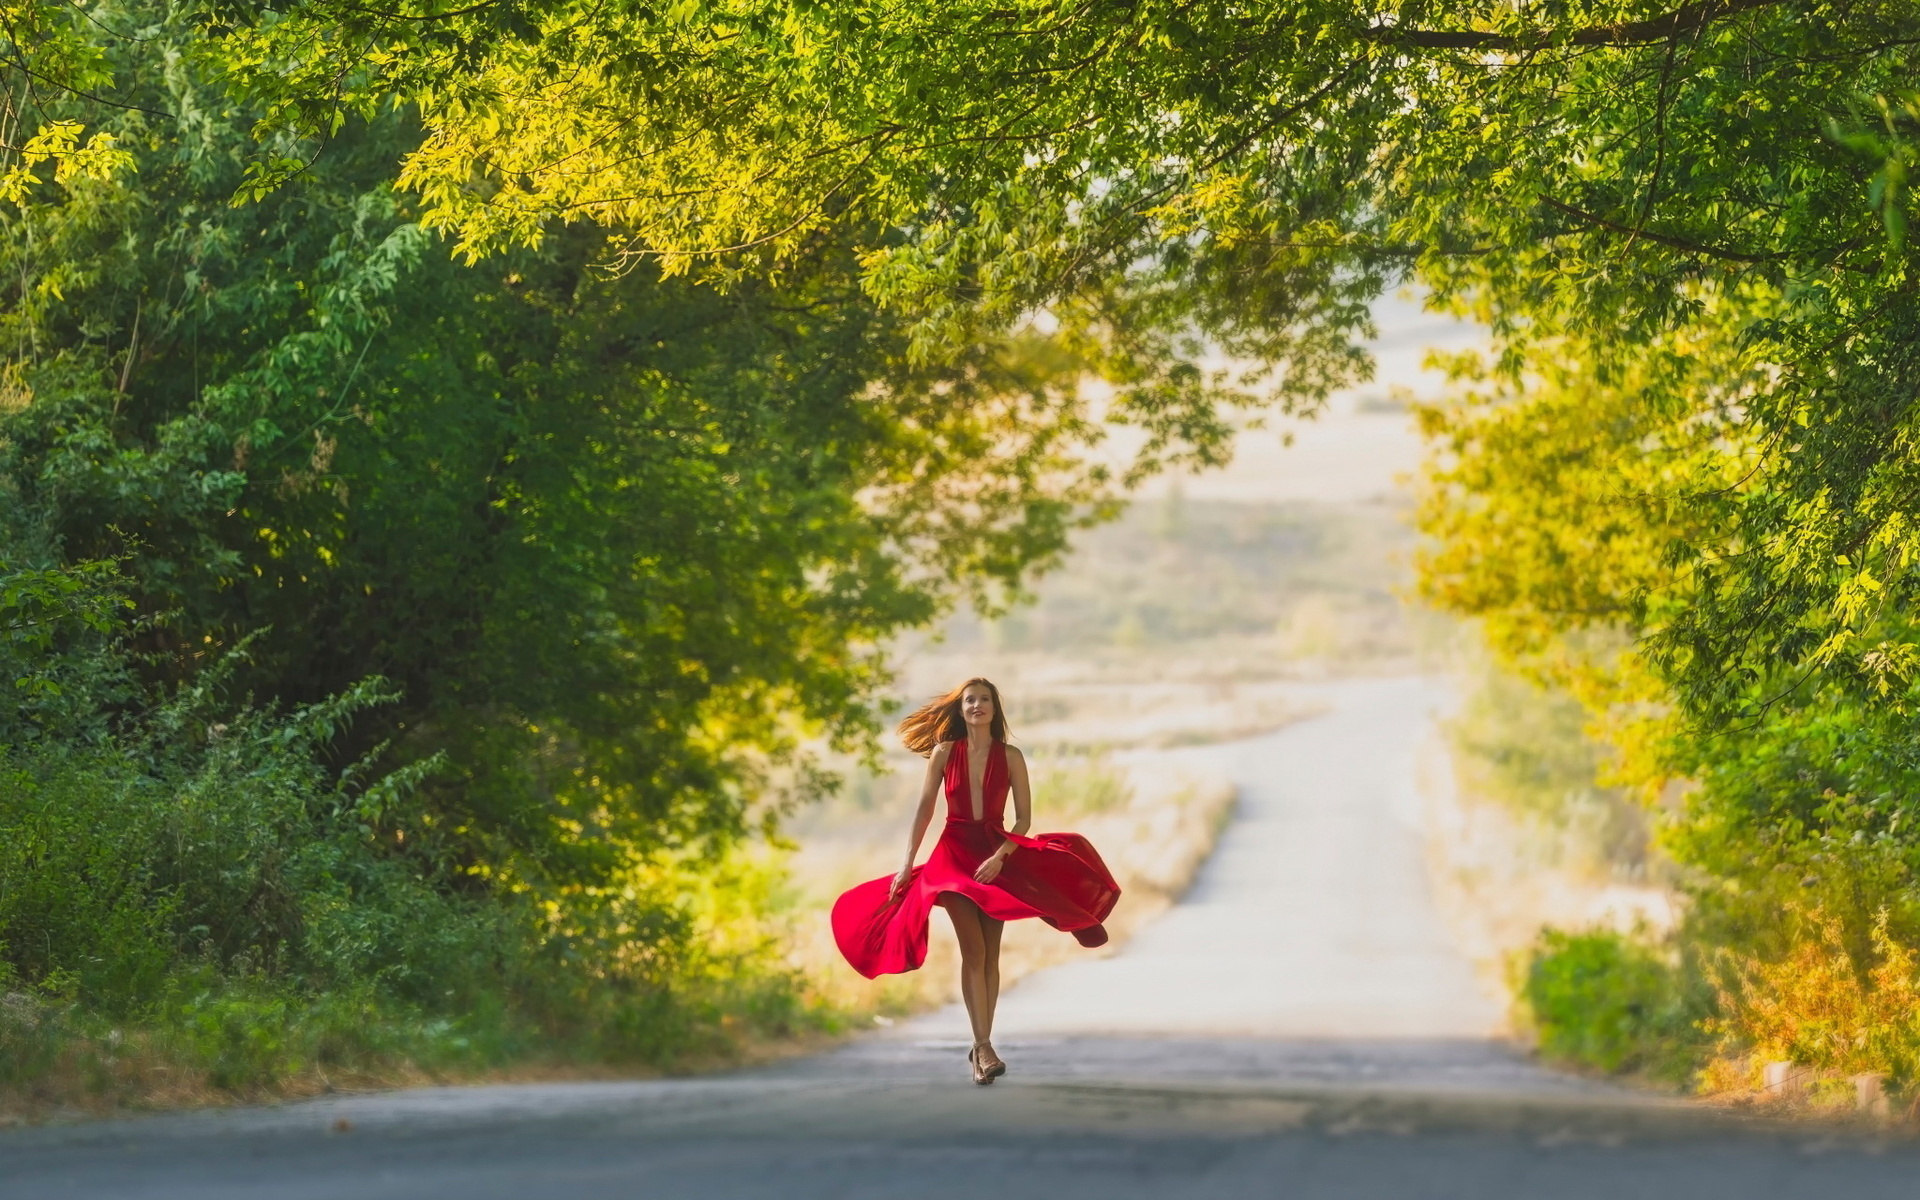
(941, 721)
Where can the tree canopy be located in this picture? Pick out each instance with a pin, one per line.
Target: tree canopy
(1617, 182)
(1699, 210)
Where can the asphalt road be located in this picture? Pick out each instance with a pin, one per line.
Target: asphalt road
(1298, 1027)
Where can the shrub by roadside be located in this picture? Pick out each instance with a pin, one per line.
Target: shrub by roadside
(1615, 1003)
(1814, 1029)
(234, 932)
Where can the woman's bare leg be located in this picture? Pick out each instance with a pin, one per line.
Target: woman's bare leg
(990, 931)
(967, 930)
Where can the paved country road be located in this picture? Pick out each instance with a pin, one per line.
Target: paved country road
(1298, 1027)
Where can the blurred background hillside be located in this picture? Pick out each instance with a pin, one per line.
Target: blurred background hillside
(1291, 562)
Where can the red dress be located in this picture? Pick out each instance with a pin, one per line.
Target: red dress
(1057, 877)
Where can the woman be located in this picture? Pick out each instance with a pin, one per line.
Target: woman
(982, 873)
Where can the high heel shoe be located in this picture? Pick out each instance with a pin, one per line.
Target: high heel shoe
(981, 1075)
(992, 1071)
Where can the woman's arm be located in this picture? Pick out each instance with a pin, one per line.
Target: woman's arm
(1022, 815)
(923, 816)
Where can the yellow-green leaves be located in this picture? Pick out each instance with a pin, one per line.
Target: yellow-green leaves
(58, 144)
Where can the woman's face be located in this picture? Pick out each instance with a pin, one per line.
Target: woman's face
(976, 707)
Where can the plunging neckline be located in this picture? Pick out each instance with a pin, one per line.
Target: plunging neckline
(976, 803)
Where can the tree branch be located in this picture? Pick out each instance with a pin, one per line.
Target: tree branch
(1682, 20)
(1657, 238)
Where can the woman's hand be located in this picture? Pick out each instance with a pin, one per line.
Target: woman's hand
(900, 883)
(985, 872)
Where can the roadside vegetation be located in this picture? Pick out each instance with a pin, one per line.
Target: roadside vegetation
(1643, 932)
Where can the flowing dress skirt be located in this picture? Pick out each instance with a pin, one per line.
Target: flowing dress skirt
(1057, 877)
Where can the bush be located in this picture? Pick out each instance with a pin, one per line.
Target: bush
(1818, 1008)
(230, 846)
(194, 902)
(1614, 1003)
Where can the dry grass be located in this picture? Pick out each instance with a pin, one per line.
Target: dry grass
(1520, 836)
(1499, 880)
(96, 1078)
